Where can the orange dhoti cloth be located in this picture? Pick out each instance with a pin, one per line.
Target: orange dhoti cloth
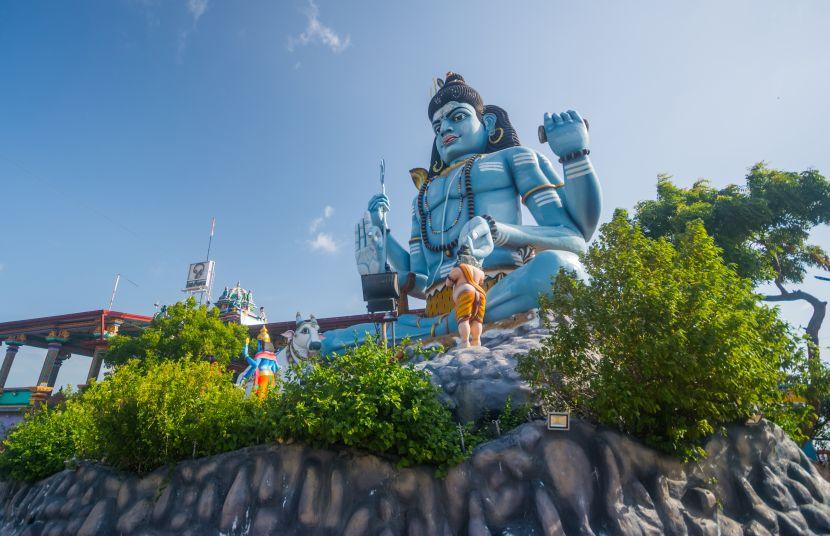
(470, 304)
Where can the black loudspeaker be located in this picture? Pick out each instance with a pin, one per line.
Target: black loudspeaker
(381, 292)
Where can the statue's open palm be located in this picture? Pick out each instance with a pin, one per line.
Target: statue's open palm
(566, 132)
(368, 246)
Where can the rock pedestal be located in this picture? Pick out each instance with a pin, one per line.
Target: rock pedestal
(530, 481)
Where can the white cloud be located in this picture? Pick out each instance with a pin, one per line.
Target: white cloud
(197, 8)
(324, 243)
(317, 223)
(318, 33)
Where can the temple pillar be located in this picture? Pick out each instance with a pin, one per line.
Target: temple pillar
(12, 346)
(56, 367)
(56, 341)
(95, 366)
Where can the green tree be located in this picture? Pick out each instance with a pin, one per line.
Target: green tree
(762, 228)
(666, 343)
(183, 330)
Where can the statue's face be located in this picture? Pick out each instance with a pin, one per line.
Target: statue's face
(458, 131)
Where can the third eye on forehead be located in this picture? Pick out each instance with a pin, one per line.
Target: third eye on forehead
(449, 109)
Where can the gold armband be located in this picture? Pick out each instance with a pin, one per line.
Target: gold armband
(537, 189)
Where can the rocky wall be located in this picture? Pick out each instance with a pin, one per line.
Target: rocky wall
(530, 481)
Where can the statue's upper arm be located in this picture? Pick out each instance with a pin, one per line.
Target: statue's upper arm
(530, 169)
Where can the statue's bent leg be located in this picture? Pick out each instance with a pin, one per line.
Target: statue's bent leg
(412, 326)
(516, 293)
(519, 291)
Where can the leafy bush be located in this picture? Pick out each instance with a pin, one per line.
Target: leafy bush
(39, 446)
(487, 429)
(142, 416)
(365, 399)
(667, 344)
(182, 330)
(147, 415)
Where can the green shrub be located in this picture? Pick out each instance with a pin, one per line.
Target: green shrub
(365, 399)
(39, 446)
(146, 415)
(156, 412)
(667, 344)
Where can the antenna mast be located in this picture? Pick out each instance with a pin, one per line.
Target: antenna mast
(207, 258)
(383, 210)
(114, 289)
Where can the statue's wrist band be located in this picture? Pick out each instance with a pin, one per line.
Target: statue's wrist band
(574, 155)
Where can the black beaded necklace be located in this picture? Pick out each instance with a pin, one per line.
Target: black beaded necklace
(468, 193)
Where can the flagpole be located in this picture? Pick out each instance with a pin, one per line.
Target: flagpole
(207, 258)
(210, 240)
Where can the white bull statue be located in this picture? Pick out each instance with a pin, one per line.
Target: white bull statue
(303, 341)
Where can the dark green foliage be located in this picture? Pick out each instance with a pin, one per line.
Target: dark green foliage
(762, 228)
(364, 399)
(667, 343)
(492, 427)
(38, 447)
(763, 231)
(184, 330)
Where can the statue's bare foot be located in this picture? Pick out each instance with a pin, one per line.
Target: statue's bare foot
(476, 342)
(464, 344)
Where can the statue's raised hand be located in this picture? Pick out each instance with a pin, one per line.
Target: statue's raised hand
(476, 234)
(378, 208)
(368, 246)
(567, 132)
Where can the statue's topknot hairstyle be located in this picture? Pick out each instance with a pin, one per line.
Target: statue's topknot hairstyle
(454, 88)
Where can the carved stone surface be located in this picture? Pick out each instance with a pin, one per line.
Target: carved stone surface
(531, 481)
(476, 382)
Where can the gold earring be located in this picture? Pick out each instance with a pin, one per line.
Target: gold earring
(437, 166)
(498, 139)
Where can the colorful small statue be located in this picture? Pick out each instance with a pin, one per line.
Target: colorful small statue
(263, 366)
(469, 296)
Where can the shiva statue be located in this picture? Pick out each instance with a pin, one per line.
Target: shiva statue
(470, 195)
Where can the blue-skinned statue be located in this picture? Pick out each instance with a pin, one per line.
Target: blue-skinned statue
(470, 194)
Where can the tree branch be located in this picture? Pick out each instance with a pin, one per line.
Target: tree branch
(819, 309)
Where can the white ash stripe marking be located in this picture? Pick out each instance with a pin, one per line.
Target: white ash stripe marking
(581, 173)
(548, 202)
(495, 166)
(580, 167)
(577, 163)
(524, 159)
(544, 196)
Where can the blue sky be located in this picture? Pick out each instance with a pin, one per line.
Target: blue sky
(126, 125)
